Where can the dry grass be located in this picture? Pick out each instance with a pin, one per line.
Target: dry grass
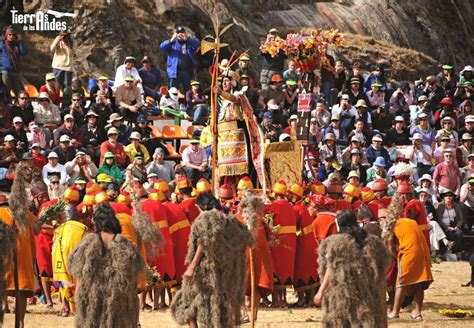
(445, 292)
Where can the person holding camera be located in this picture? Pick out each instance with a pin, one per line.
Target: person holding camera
(180, 62)
(19, 133)
(63, 58)
(81, 166)
(419, 156)
(12, 48)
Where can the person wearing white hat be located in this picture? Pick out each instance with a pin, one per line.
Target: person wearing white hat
(427, 133)
(69, 129)
(446, 174)
(124, 130)
(419, 155)
(64, 150)
(399, 134)
(169, 104)
(47, 114)
(426, 182)
(466, 74)
(291, 128)
(128, 69)
(81, 166)
(19, 133)
(448, 128)
(113, 146)
(345, 110)
(376, 150)
(338, 131)
(468, 125)
(8, 153)
(128, 98)
(136, 147)
(54, 168)
(463, 151)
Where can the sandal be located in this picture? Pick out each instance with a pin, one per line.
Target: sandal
(244, 320)
(417, 318)
(393, 318)
(468, 284)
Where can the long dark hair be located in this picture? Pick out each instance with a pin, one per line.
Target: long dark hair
(347, 222)
(207, 202)
(105, 219)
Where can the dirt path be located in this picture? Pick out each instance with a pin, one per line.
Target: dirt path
(445, 292)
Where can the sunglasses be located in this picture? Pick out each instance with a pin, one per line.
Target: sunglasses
(76, 100)
(112, 134)
(18, 123)
(55, 182)
(334, 120)
(470, 159)
(23, 98)
(448, 156)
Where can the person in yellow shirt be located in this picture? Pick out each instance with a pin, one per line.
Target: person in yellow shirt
(135, 147)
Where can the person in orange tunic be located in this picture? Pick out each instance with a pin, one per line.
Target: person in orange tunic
(163, 262)
(284, 252)
(188, 202)
(261, 257)
(415, 209)
(306, 267)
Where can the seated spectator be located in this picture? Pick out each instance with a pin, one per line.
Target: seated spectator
(81, 166)
(274, 92)
(106, 91)
(463, 151)
(150, 183)
(19, 133)
(375, 96)
(128, 71)
(270, 131)
(64, 149)
(103, 106)
(63, 58)
(377, 74)
(54, 168)
(138, 169)
(315, 135)
(447, 124)
(195, 162)
(47, 115)
(291, 128)
(382, 120)
(92, 136)
(39, 161)
(450, 218)
(376, 150)
(468, 170)
(467, 198)
(346, 112)
(110, 168)
(55, 188)
(426, 182)
(69, 92)
(399, 134)
(52, 89)
(291, 96)
(346, 152)
(196, 104)
(280, 115)
(337, 131)
(69, 129)
(359, 133)
(322, 116)
(244, 70)
(433, 92)
(158, 166)
(364, 115)
(150, 142)
(325, 168)
(419, 156)
(377, 171)
(438, 152)
(329, 148)
(292, 72)
(446, 173)
(250, 91)
(76, 109)
(8, 153)
(128, 99)
(468, 126)
(151, 78)
(136, 147)
(169, 104)
(354, 92)
(355, 165)
(36, 136)
(399, 102)
(115, 121)
(22, 108)
(423, 128)
(180, 62)
(114, 147)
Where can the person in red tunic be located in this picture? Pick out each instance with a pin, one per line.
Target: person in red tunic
(284, 252)
(164, 260)
(380, 188)
(188, 202)
(180, 228)
(261, 257)
(306, 268)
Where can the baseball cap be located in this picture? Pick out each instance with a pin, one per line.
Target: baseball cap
(345, 97)
(129, 78)
(17, 119)
(68, 116)
(52, 155)
(417, 136)
(109, 154)
(92, 113)
(180, 29)
(64, 138)
(469, 119)
(194, 141)
(377, 138)
(9, 137)
(268, 116)
(399, 119)
(159, 151)
(422, 115)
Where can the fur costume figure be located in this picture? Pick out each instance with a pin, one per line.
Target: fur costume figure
(18, 199)
(356, 296)
(106, 295)
(7, 245)
(215, 293)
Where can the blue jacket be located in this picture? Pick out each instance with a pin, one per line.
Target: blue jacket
(6, 63)
(173, 49)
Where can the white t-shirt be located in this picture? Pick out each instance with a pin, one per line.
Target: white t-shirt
(419, 158)
(448, 216)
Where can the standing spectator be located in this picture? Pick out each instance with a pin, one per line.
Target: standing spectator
(340, 73)
(180, 62)
(129, 100)
(151, 78)
(22, 108)
(196, 104)
(54, 168)
(112, 146)
(271, 65)
(158, 166)
(12, 48)
(92, 136)
(195, 162)
(128, 69)
(244, 69)
(446, 174)
(52, 89)
(63, 58)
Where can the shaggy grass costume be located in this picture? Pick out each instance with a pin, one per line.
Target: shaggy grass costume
(355, 296)
(107, 293)
(215, 293)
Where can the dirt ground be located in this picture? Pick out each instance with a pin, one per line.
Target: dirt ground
(445, 292)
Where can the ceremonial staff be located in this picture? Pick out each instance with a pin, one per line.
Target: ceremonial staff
(205, 47)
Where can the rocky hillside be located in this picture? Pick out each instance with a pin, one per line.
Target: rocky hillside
(411, 37)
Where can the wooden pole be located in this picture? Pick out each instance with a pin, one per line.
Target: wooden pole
(17, 289)
(214, 183)
(252, 290)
